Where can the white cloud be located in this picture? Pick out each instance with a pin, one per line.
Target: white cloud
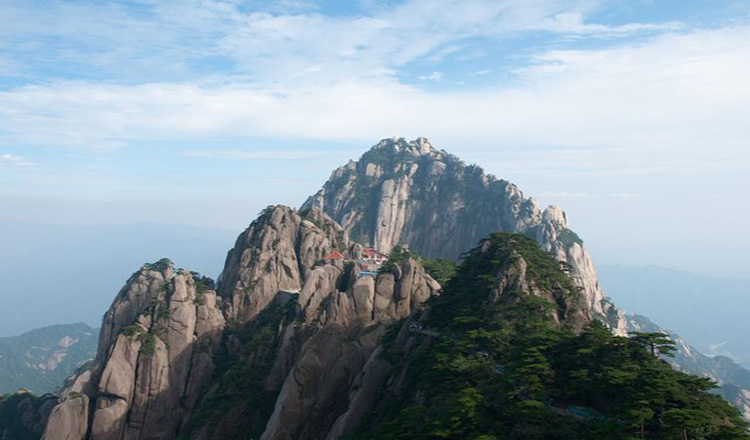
(573, 23)
(434, 76)
(650, 105)
(480, 72)
(12, 160)
(277, 42)
(675, 103)
(256, 155)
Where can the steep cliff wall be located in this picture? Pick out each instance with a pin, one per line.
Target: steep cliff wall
(302, 326)
(274, 353)
(153, 362)
(411, 193)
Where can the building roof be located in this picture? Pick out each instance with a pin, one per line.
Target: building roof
(373, 253)
(335, 255)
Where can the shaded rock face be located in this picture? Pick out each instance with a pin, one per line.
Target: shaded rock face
(276, 253)
(411, 193)
(345, 332)
(23, 414)
(274, 353)
(153, 364)
(333, 321)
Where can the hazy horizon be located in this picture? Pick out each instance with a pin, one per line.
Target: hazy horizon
(61, 274)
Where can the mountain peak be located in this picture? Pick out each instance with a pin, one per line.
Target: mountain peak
(408, 192)
(420, 146)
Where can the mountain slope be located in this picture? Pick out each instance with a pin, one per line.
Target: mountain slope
(733, 379)
(153, 361)
(499, 362)
(299, 328)
(40, 360)
(411, 193)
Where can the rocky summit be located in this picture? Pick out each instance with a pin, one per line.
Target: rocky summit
(411, 193)
(329, 322)
(284, 321)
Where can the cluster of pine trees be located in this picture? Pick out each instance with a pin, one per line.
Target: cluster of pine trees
(506, 370)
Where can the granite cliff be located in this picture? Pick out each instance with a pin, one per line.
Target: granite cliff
(287, 323)
(411, 193)
(152, 364)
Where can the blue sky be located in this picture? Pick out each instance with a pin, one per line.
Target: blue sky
(631, 115)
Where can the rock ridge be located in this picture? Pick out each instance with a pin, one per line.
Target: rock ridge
(409, 192)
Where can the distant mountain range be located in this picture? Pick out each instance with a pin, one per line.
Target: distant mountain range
(710, 313)
(41, 360)
(61, 273)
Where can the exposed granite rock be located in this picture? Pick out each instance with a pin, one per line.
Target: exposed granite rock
(409, 192)
(153, 364)
(348, 331)
(737, 396)
(338, 317)
(274, 254)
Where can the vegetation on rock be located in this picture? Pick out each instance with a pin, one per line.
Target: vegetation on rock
(22, 415)
(239, 404)
(504, 370)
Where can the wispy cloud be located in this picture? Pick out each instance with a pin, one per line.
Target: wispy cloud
(573, 23)
(563, 194)
(434, 76)
(481, 72)
(12, 160)
(269, 42)
(672, 103)
(256, 155)
(290, 72)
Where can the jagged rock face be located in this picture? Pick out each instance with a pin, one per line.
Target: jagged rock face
(411, 193)
(161, 336)
(276, 253)
(153, 363)
(347, 332)
(339, 316)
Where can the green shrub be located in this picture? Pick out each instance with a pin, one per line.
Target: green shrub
(148, 344)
